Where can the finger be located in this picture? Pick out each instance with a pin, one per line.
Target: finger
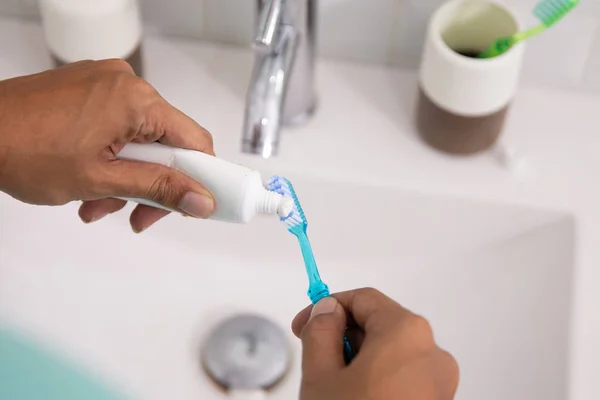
(115, 64)
(448, 373)
(322, 339)
(82, 64)
(142, 217)
(170, 126)
(157, 183)
(301, 320)
(373, 311)
(355, 334)
(361, 304)
(356, 337)
(91, 211)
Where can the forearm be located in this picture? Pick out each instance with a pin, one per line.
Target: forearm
(3, 145)
(3, 157)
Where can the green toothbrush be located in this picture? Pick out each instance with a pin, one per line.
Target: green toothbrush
(548, 11)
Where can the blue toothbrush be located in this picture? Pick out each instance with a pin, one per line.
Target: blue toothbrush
(296, 223)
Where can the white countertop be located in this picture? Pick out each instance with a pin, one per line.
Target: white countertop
(363, 132)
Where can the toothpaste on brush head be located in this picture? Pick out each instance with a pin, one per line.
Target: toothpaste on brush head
(238, 191)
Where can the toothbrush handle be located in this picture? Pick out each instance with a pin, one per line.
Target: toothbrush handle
(317, 288)
(529, 33)
(309, 259)
(348, 352)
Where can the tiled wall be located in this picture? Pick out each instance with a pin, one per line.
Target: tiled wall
(381, 31)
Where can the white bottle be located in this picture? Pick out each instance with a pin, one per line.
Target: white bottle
(93, 29)
(238, 191)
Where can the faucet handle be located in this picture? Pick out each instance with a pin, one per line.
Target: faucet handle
(269, 31)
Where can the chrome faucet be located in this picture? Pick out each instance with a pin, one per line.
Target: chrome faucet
(281, 91)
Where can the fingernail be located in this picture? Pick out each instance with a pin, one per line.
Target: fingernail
(92, 219)
(137, 230)
(324, 306)
(197, 205)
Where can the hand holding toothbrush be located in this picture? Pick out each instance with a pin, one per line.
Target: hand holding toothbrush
(60, 132)
(398, 357)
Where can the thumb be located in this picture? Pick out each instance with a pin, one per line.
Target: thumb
(322, 339)
(162, 185)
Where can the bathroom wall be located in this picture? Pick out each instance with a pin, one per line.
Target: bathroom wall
(387, 32)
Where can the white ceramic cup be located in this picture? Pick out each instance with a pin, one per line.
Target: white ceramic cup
(93, 29)
(463, 99)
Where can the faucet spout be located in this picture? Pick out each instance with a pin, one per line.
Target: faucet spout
(266, 98)
(281, 88)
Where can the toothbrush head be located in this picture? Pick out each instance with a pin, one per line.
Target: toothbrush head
(549, 12)
(552, 11)
(284, 187)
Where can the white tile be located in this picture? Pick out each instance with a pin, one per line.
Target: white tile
(591, 78)
(177, 17)
(410, 27)
(29, 8)
(230, 21)
(358, 30)
(587, 7)
(558, 56)
(23, 8)
(10, 7)
(381, 31)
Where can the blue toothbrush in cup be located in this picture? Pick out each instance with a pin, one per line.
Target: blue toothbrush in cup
(296, 223)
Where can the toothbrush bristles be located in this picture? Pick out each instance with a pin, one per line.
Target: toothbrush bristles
(551, 11)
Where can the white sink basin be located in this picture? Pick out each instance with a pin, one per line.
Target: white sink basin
(494, 280)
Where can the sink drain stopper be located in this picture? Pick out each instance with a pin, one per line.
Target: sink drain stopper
(246, 353)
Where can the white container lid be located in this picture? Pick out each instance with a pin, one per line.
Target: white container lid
(91, 29)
